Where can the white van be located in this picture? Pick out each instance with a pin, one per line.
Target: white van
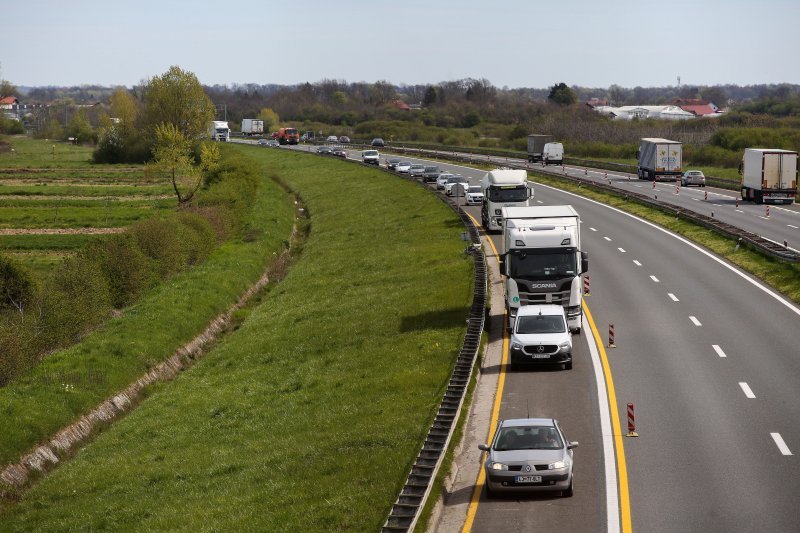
(553, 154)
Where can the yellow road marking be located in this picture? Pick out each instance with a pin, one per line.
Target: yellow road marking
(622, 469)
(476, 493)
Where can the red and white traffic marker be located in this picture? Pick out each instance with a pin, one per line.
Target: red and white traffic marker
(611, 336)
(605, 175)
(631, 422)
(586, 282)
(585, 171)
(706, 196)
(654, 184)
(767, 211)
(737, 203)
(677, 188)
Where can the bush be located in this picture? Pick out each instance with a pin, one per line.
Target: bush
(158, 240)
(197, 237)
(17, 286)
(17, 351)
(10, 126)
(127, 270)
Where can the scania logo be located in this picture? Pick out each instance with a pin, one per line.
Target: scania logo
(540, 348)
(527, 468)
(543, 285)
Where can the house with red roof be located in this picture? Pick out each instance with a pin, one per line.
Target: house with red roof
(700, 108)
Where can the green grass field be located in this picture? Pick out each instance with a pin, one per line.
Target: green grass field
(44, 154)
(50, 189)
(111, 216)
(308, 417)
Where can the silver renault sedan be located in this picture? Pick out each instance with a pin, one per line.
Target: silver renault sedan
(529, 454)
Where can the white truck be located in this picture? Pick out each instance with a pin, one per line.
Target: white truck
(503, 188)
(218, 130)
(659, 159)
(252, 126)
(536, 144)
(553, 154)
(542, 260)
(769, 175)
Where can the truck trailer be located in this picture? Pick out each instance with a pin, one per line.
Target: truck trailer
(218, 130)
(769, 175)
(536, 144)
(503, 188)
(660, 159)
(543, 261)
(252, 126)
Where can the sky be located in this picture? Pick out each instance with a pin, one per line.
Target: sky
(512, 43)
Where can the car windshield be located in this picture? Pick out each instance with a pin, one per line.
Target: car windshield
(542, 264)
(418, 166)
(404, 164)
(526, 325)
(457, 179)
(371, 152)
(510, 194)
(431, 169)
(528, 438)
(475, 188)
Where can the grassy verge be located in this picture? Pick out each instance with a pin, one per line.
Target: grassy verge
(309, 416)
(45, 242)
(38, 403)
(111, 216)
(49, 154)
(44, 190)
(784, 277)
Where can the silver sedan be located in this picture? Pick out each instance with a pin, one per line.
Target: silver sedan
(529, 454)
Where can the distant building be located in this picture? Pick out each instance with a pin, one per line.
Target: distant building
(630, 112)
(399, 104)
(699, 108)
(596, 102)
(10, 107)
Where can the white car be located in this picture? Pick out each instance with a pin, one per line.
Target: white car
(452, 181)
(416, 170)
(403, 167)
(474, 195)
(370, 157)
(540, 336)
(332, 139)
(693, 177)
(442, 180)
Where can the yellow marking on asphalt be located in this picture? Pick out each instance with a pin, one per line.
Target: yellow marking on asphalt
(622, 469)
(476, 493)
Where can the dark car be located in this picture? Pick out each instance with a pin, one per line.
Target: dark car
(430, 174)
(391, 164)
(324, 150)
(340, 152)
(344, 139)
(377, 141)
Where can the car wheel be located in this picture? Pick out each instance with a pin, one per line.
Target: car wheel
(569, 492)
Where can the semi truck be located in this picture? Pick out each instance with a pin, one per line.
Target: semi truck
(252, 126)
(536, 144)
(659, 159)
(769, 175)
(503, 188)
(288, 136)
(218, 130)
(542, 260)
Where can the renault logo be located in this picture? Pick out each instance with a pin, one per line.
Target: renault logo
(540, 348)
(527, 468)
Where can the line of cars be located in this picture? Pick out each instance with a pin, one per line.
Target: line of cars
(454, 185)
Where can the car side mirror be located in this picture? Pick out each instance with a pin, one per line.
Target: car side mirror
(483, 447)
(573, 444)
(584, 261)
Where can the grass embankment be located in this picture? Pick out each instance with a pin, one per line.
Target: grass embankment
(37, 404)
(309, 416)
(784, 277)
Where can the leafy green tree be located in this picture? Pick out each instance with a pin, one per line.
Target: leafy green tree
(431, 96)
(270, 118)
(80, 128)
(562, 94)
(173, 158)
(178, 99)
(7, 89)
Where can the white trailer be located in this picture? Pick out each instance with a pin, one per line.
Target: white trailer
(252, 126)
(218, 130)
(536, 144)
(660, 159)
(503, 188)
(542, 260)
(769, 175)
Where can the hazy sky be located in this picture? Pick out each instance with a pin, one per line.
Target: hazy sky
(511, 43)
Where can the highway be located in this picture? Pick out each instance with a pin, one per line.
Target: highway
(708, 357)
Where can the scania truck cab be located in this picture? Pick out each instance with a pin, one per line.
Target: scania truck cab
(543, 261)
(503, 188)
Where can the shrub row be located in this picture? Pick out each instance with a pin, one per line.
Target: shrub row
(37, 317)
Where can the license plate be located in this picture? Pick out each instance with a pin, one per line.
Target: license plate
(528, 479)
(541, 356)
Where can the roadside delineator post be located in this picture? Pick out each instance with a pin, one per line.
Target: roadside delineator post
(677, 188)
(631, 422)
(585, 171)
(737, 203)
(706, 196)
(586, 282)
(654, 184)
(611, 336)
(767, 211)
(605, 175)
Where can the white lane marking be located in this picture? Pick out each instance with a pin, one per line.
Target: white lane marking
(609, 460)
(765, 218)
(696, 199)
(793, 227)
(718, 350)
(638, 186)
(695, 321)
(781, 445)
(746, 389)
(593, 229)
(637, 263)
(621, 250)
(738, 210)
(756, 283)
(673, 297)
(607, 238)
(654, 278)
(539, 202)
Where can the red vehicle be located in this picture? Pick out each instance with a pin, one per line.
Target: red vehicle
(288, 136)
